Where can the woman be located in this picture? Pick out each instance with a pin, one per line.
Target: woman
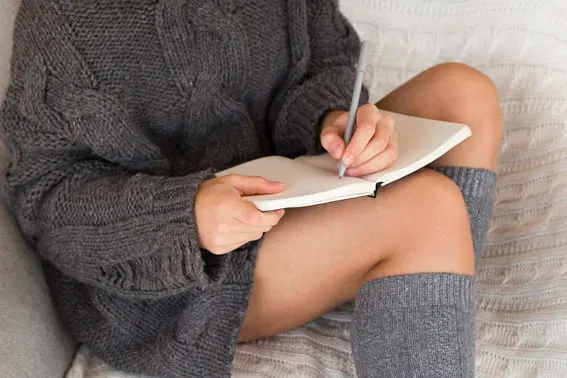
(119, 113)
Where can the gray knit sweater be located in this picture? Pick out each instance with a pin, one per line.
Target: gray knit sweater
(116, 112)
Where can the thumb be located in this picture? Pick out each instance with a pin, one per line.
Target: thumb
(251, 185)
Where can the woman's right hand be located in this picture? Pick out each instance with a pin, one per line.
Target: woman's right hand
(226, 221)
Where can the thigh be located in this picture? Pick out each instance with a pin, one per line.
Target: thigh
(312, 262)
(319, 257)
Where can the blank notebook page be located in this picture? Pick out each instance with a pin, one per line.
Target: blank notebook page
(300, 179)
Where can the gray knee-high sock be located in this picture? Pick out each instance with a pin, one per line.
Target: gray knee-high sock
(418, 325)
(477, 186)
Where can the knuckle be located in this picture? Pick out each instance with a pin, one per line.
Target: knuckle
(370, 108)
(252, 217)
(367, 129)
(229, 179)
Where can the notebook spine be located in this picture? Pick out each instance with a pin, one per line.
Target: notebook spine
(378, 186)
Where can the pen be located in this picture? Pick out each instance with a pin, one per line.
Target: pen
(355, 99)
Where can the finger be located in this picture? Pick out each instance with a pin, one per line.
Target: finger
(373, 148)
(385, 129)
(332, 140)
(222, 250)
(251, 185)
(245, 212)
(234, 242)
(380, 141)
(368, 117)
(377, 163)
(240, 227)
(237, 238)
(266, 218)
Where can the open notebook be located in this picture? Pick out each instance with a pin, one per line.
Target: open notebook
(312, 180)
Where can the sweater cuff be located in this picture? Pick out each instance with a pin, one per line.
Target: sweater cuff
(174, 260)
(176, 194)
(176, 201)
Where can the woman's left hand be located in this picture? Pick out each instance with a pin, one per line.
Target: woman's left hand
(373, 145)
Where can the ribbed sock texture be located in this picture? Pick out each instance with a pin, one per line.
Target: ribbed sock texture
(418, 325)
(477, 186)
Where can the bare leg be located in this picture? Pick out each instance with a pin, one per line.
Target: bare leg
(318, 258)
(406, 255)
(458, 93)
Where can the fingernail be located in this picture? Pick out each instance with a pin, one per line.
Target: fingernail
(353, 172)
(281, 212)
(348, 159)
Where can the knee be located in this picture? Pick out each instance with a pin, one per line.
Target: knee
(435, 232)
(439, 202)
(469, 95)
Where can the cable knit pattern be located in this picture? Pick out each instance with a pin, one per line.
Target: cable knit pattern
(115, 113)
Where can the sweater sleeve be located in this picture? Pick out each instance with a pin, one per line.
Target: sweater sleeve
(91, 191)
(97, 221)
(325, 84)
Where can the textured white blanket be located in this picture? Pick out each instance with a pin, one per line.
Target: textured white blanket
(522, 302)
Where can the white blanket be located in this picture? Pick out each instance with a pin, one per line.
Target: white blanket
(522, 301)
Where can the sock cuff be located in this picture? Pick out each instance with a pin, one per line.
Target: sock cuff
(415, 290)
(476, 182)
